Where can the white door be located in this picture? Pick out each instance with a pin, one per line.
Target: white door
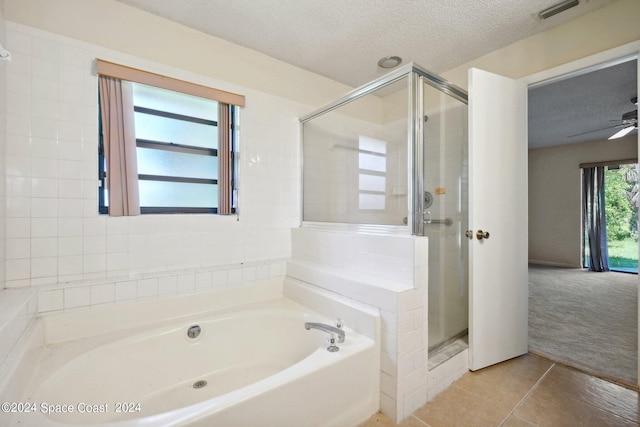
(498, 275)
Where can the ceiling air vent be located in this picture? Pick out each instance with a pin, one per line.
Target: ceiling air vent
(560, 7)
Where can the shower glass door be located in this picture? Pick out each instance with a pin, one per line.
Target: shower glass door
(355, 160)
(446, 215)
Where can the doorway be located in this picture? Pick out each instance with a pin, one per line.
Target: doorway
(556, 231)
(570, 121)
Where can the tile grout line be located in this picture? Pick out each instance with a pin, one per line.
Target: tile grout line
(519, 404)
(419, 420)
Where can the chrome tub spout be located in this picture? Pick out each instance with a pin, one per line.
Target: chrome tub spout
(333, 331)
(327, 328)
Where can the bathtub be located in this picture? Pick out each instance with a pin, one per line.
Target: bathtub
(250, 365)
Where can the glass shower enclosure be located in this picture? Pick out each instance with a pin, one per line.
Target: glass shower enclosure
(391, 157)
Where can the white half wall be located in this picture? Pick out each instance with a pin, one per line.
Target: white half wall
(388, 272)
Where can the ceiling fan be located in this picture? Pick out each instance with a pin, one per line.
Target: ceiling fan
(628, 122)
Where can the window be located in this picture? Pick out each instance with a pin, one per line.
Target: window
(372, 181)
(176, 155)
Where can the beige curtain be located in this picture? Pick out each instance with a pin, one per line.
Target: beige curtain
(224, 159)
(118, 128)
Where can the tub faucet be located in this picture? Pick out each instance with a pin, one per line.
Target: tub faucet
(331, 330)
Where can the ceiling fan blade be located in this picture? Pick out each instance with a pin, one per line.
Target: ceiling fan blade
(596, 130)
(622, 132)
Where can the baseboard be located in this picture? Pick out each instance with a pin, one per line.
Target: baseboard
(553, 264)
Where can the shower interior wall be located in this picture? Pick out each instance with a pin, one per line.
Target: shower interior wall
(335, 147)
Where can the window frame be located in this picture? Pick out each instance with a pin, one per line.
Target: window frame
(372, 172)
(225, 100)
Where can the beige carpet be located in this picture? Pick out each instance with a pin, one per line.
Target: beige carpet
(585, 319)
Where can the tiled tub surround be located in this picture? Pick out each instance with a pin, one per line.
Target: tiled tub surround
(59, 247)
(20, 306)
(66, 335)
(388, 272)
(86, 293)
(56, 241)
(54, 233)
(17, 314)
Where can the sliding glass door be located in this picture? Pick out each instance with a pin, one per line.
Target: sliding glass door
(621, 215)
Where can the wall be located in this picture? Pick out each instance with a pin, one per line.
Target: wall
(3, 109)
(555, 194)
(55, 233)
(82, 259)
(610, 26)
(603, 29)
(386, 272)
(113, 25)
(333, 173)
(61, 255)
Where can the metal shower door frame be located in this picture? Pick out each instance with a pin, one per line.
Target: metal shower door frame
(415, 201)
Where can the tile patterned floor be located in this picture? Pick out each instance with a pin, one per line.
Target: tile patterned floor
(523, 392)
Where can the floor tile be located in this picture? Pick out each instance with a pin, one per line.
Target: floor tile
(548, 406)
(527, 366)
(381, 420)
(507, 383)
(514, 421)
(595, 391)
(378, 420)
(459, 407)
(524, 392)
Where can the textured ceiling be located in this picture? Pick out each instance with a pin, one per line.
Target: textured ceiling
(583, 103)
(344, 39)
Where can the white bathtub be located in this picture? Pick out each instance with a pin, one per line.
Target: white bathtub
(261, 366)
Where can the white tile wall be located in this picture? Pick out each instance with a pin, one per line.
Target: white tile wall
(84, 294)
(326, 183)
(396, 283)
(56, 234)
(55, 238)
(18, 308)
(56, 241)
(441, 377)
(384, 256)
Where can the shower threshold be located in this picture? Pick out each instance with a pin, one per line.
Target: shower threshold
(446, 350)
